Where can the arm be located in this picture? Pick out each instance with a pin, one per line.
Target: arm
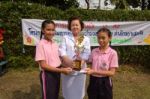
(40, 58)
(87, 50)
(89, 61)
(66, 61)
(63, 48)
(110, 72)
(45, 66)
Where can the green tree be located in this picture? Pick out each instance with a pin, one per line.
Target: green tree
(61, 4)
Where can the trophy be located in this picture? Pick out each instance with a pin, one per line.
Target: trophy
(79, 48)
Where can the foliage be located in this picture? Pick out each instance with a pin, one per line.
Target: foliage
(21, 61)
(134, 55)
(62, 4)
(12, 13)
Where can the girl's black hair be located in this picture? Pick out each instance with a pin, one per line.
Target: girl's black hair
(75, 18)
(44, 23)
(104, 29)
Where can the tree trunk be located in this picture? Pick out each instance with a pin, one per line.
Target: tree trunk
(88, 4)
(143, 5)
(148, 6)
(99, 4)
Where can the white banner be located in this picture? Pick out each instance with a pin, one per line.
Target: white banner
(123, 33)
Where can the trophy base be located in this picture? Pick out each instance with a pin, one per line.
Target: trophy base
(77, 65)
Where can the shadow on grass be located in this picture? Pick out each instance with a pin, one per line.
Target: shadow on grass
(34, 93)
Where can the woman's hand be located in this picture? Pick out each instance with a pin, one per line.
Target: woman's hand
(67, 62)
(66, 71)
(89, 71)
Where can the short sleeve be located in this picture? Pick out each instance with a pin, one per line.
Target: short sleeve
(62, 47)
(39, 55)
(87, 49)
(114, 60)
(90, 58)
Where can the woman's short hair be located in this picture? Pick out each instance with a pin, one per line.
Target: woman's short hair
(75, 18)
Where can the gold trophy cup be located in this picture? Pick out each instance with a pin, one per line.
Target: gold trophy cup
(79, 48)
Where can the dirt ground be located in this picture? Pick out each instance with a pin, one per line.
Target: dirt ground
(24, 84)
(17, 84)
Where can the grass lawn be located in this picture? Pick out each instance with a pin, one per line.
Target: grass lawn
(130, 82)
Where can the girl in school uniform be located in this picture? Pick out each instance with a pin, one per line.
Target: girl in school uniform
(48, 58)
(104, 63)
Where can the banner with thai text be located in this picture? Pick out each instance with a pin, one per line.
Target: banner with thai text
(123, 33)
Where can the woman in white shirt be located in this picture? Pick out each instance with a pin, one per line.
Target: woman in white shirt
(73, 85)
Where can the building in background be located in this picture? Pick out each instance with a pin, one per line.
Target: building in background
(97, 4)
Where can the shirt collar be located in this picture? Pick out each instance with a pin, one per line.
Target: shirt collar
(105, 52)
(46, 41)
